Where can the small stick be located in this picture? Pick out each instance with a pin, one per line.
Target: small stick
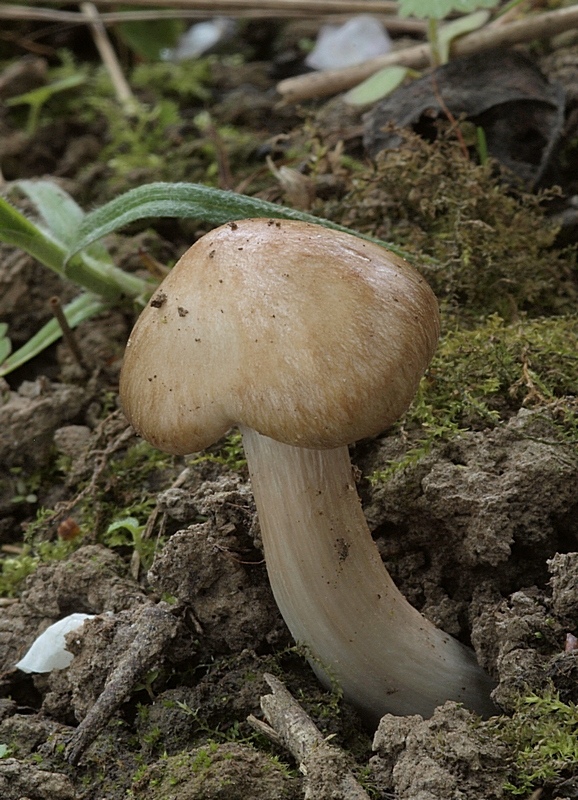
(297, 6)
(155, 267)
(323, 765)
(322, 84)
(21, 12)
(67, 332)
(155, 627)
(110, 61)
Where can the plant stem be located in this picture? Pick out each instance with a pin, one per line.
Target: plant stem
(433, 39)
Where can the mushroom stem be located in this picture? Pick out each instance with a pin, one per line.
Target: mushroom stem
(336, 596)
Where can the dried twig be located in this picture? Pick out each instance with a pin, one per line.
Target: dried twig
(293, 7)
(324, 766)
(67, 333)
(322, 84)
(110, 61)
(392, 23)
(155, 627)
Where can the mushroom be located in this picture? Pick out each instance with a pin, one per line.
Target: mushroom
(308, 340)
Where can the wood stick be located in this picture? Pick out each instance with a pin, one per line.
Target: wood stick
(67, 332)
(224, 6)
(111, 63)
(214, 7)
(154, 627)
(323, 765)
(22, 12)
(322, 84)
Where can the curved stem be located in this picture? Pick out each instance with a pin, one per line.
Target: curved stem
(336, 596)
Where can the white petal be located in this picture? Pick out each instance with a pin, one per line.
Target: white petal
(49, 651)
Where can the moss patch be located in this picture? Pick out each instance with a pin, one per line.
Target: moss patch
(493, 244)
(216, 772)
(483, 375)
(544, 735)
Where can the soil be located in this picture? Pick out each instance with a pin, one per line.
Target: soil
(479, 529)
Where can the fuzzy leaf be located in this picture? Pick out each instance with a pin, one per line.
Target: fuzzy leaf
(93, 269)
(16, 229)
(192, 200)
(60, 212)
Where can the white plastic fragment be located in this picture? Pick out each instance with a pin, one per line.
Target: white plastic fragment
(199, 38)
(49, 651)
(360, 38)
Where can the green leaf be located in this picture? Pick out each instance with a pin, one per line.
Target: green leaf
(81, 308)
(93, 269)
(131, 524)
(378, 85)
(16, 229)
(190, 200)
(37, 97)
(59, 211)
(149, 38)
(61, 214)
(438, 9)
(5, 343)
(458, 27)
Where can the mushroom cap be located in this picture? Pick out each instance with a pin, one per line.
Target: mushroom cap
(312, 337)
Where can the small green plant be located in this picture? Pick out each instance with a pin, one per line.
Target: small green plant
(229, 453)
(440, 38)
(543, 733)
(232, 733)
(25, 487)
(183, 80)
(128, 532)
(139, 140)
(36, 98)
(15, 569)
(436, 10)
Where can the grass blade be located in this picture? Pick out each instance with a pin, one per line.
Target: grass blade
(81, 308)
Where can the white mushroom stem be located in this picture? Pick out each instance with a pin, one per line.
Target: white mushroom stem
(336, 596)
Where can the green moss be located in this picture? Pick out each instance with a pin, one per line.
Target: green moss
(203, 758)
(228, 452)
(215, 772)
(15, 569)
(185, 81)
(139, 141)
(543, 734)
(113, 508)
(488, 372)
(493, 244)
(483, 375)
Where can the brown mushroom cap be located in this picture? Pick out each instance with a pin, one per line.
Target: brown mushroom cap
(312, 337)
